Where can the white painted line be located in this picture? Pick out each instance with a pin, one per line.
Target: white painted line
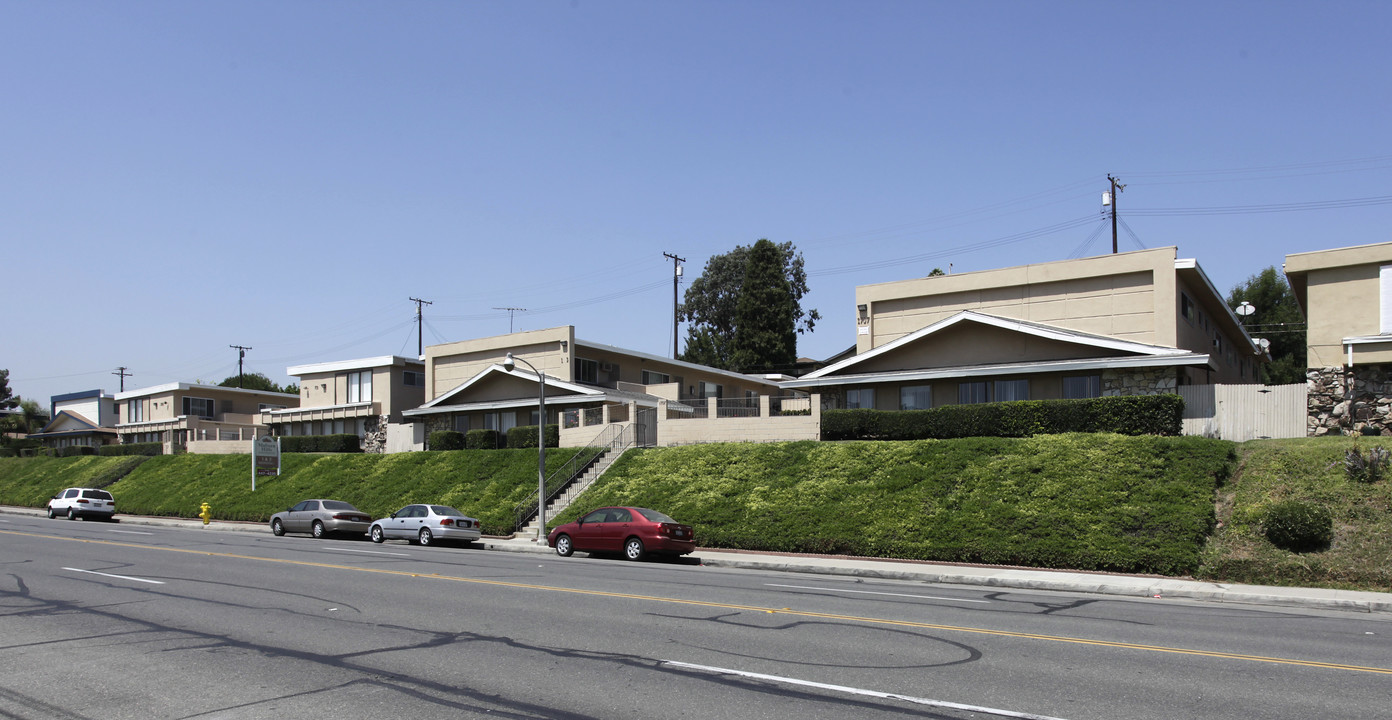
(130, 532)
(370, 552)
(859, 691)
(122, 577)
(868, 592)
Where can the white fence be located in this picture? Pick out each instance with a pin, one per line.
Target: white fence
(1244, 412)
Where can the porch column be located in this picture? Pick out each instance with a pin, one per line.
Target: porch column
(763, 406)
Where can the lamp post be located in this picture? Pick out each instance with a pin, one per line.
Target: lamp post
(508, 364)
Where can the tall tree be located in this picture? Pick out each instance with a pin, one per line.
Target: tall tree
(1278, 319)
(712, 302)
(257, 381)
(7, 401)
(765, 323)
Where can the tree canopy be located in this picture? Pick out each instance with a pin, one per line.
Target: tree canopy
(712, 308)
(258, 381)
(1278, 319)
(7, 401)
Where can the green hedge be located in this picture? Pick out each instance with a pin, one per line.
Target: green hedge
(525, 436)
(76, 451)
(153, 448)
(1127, 415)
(446, 440)
(484, 440)
(343, 443)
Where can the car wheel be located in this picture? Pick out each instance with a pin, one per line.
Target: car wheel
(52, 513)
(564, 548)
(376, 534)
(277, 528)
(633, 549)
(317, 529)
(426, 537)
(72, 513)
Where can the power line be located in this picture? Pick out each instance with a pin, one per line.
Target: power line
(510, 311)
(1257, 209)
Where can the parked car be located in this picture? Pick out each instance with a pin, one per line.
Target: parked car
(83, 503)
(426, 524)
(634, 531)
(321, 518)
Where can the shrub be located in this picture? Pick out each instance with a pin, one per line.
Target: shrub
(525, 436)
(1366, 468)
(484, 440)
(76, 450)
(1298, 526)
(446, 440)
(1126, 415)
(343, 443)
(153, 448)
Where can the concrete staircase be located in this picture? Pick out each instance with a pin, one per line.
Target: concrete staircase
(568, 495)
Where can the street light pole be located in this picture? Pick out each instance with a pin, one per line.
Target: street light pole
(508, 364)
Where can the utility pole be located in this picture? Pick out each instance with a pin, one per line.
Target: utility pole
(241, 353)
(676, 276)
(510, 311)
(1116, 188)
(122, 372)
(420, 325)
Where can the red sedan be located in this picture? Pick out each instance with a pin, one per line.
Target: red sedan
(633, 531)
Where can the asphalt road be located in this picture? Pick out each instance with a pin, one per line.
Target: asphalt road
(105, 620)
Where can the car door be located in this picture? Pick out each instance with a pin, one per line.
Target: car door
(407, 518)
(299, 517)
(616, 527)
(68, 500)
(588, 536)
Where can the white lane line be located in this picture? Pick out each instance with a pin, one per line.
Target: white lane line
(370, 552)
(122, 577)
(860, 691)
(869, 592)
(130, 532)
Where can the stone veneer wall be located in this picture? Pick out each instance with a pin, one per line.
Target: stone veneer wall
(1334, 410)
(1141, 381)
(374, 438)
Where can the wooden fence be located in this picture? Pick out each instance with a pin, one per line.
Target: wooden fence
(1244, 412)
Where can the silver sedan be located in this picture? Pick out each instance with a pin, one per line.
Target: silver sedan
(426, 524)
(320, 518)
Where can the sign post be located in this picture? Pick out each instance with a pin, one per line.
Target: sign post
(265, 458)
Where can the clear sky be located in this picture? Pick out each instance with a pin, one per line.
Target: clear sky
(177, 177)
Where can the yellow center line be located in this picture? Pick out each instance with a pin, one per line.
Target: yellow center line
(744, 608)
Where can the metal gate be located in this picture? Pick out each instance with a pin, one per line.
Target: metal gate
(645, 428)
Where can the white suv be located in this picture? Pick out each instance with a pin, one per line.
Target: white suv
(82, 503)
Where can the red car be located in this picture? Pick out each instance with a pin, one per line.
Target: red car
(633, 531)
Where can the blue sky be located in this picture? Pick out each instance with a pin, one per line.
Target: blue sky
(179, 177)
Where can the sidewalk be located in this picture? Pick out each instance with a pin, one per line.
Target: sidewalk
(1159, 588)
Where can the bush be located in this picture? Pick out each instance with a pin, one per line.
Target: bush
(525, 436)
(1126, 415)
(1366, 468)
(1298, 526)
(484, 440)
(446, 440)
(153, 448)
(344, 443)
(76, 450)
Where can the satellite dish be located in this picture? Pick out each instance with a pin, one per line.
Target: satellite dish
(1264, 343)
(1245, 309)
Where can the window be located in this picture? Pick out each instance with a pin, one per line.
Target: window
(268, 406)
(969, 393)
(135, 411)
(860, 399)
(502, 422)
(1082, 386)
(709, 390)
(411, 378)
(1006, 390)
(198, 407)
(1385, 299)
(655, 378)
(461, 423)
(586, 371)
(360, 386)
(1186, 308)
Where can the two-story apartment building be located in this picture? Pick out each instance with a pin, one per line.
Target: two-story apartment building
(1346, 295)
(196, 417)
(83, 418)
(365, 397)
(1133, 323)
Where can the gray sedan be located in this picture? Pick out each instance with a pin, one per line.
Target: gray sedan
(425, 524)
(320, 518)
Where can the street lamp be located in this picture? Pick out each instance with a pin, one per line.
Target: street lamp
(509, 363)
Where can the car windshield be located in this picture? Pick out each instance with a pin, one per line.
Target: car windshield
(96, 494)
(337, 505)
(654, 515)
(446, 510)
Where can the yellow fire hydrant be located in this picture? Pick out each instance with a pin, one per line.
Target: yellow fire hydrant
(206, 512)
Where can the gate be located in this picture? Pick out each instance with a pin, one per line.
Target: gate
(645, 428)
(1244, 412)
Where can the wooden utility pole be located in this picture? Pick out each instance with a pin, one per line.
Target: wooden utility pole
(122, 372)
(241, 353)
(420, 326)
(676, 276)
(1116, 188)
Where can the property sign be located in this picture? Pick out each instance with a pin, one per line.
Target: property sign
(265, 458)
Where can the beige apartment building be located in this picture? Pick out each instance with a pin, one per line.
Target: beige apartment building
(365, 397)
(1133, 323)
(592, 388)
(1346, 295)
(196, 418)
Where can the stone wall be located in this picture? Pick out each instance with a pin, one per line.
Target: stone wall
(1141, 381)
(1333, 409)
(374, 439)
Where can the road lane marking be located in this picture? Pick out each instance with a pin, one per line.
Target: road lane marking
(130, 532)
(745, 608)
(861, 691)
(121, 577)
(871, 592)
(369, 552)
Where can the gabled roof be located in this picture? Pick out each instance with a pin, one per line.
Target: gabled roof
(67, 417)
(575, 394)
(496, 369)
(1047, 332)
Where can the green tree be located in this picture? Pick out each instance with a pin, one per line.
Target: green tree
(7, 401)
(1277, 319)
(257, 381)
(711, 303)
(765, 323)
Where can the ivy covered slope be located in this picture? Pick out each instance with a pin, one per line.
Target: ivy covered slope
(1313, 471)
(30, 482)
(1082, 501)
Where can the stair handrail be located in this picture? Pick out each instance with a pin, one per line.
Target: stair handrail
(615, 437)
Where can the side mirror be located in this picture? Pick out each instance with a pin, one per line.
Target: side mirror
(393, 516)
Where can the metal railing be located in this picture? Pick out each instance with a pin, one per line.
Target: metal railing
(615, 437)
(737, 407)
